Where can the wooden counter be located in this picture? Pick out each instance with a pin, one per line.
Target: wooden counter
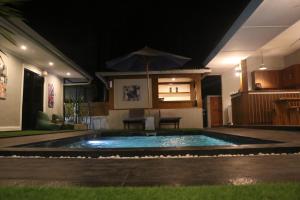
(287, 111)
(258, 107)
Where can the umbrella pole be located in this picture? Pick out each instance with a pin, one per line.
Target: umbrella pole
(148, 85)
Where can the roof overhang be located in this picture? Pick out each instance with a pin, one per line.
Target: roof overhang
(102, 75)
(259, 23)
(39, 51)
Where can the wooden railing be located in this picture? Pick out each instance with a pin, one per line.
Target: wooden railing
(258, 108)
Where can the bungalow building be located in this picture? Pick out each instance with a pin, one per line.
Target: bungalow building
(259, 63)
(172, 93)
(33, 74)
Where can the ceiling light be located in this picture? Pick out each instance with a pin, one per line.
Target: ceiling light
(51, 63)
(23, 47)
(44, 73)
(262, 67)
(68, 74)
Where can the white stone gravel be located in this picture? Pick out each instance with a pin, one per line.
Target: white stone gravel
(156, 156)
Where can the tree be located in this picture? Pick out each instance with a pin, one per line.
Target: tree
(8, 10)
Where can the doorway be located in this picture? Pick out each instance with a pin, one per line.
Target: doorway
(211, 86)
(33, 98)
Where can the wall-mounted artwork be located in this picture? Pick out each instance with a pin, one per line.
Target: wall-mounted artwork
(131, 93)
(50, 95)
(3, 79)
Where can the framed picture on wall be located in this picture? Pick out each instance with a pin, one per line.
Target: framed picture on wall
(131, 93)
(2, 90)
(3, 79)
(50, 95)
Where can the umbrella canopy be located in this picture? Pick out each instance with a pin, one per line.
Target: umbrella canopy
(147, 57)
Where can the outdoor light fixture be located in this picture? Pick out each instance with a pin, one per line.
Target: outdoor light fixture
(44, 73)
(23, 47)
(110, 84)
(262, 65)
(51, 63)
(68, 74)
(237, 70)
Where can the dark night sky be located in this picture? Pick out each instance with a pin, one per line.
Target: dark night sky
(92, 32)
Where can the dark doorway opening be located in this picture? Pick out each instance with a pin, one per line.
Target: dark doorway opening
(210, 85)
(33, 92)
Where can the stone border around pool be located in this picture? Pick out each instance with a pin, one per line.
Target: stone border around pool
(276, 147)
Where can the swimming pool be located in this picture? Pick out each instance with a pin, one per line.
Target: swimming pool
(149, 141)
(132, 144)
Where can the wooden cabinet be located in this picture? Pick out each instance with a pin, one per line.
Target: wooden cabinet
(288, 78)
(269, 79)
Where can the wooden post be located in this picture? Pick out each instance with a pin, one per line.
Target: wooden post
(111, 95)
(244, 77)
(198, 91)
(154, 79)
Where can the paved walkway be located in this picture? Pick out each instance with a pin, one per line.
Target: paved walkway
(280, 135)
(149, 172)
(13, 141)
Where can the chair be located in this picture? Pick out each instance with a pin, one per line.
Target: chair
(136, 116)
(169, 120)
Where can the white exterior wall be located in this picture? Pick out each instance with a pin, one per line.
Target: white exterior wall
(230, 84)
(190, 117)
(11, 107)
(292, 59)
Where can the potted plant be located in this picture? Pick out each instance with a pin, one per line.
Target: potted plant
(75, 113)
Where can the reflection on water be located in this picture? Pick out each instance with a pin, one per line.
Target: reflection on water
(152, 141)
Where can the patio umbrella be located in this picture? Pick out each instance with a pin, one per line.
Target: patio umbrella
(147, 59)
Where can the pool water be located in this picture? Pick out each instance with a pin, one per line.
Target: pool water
(149, 141)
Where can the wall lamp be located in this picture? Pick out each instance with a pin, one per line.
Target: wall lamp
(238, 70)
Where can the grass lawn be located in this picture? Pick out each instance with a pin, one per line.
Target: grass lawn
(287, 191)
(4, 134)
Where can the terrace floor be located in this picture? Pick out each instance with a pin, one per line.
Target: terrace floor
(155, 171)
(275, 135)
(149, 172)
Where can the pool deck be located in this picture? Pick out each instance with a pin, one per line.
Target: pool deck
(155, 171)
(275, 135)
(149, 172)
(14, 141)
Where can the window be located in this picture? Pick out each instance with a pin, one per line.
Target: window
(174, 89)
